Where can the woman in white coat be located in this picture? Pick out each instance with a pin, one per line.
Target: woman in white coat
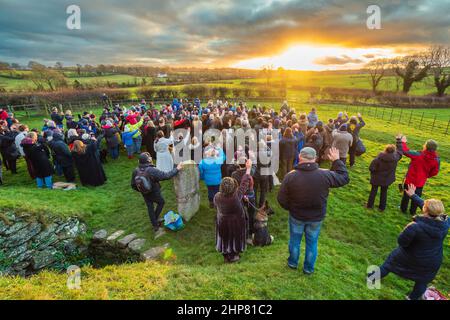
(164, 159)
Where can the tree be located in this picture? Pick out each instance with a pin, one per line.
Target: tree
(4, 65)
(377, 70)
(41, 75)
(411, 69)
(78, 69)
(58, 66)
(267, 72)
(439, 57)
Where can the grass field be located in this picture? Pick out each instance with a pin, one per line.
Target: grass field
(358, 81)
(352, 237)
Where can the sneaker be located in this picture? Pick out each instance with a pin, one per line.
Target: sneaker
(307, 273)
(272, 238)
(291, 267)
(159, 233)
(250, 242)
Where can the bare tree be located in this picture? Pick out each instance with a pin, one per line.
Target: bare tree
(377, 70)
(439, 57)
(41, 75)
(267, 72)
(411, 69)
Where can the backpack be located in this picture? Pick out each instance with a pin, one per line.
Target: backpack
(144, 183)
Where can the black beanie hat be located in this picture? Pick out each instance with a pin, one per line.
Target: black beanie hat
(144, 158)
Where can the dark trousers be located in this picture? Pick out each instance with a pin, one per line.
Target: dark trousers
(212, 190)
(406, 199)
(69, 173)
(383, 197)
(153, 212)
(419, 286)
(12, 165)
(352, 154)
(114, 152)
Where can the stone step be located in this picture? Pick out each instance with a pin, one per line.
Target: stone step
(114, 236)
(154, 253)
(123, 243)
(136, 245)
(100, 235)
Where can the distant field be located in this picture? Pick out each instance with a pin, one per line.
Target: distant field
(360, 81)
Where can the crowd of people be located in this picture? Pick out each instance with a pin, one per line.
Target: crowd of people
(237, 188)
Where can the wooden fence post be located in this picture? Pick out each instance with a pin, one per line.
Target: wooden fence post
(421, 119)
(434, 121)
(400, 117)
(448, 124)
(410, 117)
(392, 112)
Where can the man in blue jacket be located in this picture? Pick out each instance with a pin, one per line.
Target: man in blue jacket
(304, 192)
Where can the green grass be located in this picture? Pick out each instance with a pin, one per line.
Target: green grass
(352, 237)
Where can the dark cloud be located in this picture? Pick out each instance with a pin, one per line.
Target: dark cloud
(208, 32)
(344, 59)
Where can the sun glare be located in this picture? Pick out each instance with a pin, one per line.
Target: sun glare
(317, 58)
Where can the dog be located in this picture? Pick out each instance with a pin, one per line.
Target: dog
(262, 237)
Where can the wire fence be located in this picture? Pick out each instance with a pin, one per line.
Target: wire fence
(418, 118)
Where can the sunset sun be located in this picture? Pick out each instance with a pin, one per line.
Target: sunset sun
(316, 58)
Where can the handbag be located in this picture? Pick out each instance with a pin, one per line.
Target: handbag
(360, 148)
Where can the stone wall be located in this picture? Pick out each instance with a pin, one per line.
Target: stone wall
(30, 243)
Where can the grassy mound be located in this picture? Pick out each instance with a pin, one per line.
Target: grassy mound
(352, 237)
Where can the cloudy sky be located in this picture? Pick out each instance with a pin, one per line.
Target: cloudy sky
(297, 34)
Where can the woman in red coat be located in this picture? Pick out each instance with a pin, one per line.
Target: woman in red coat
(424, 165)
(231, 221)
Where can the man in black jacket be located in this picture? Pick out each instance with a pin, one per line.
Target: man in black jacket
(304, 194)
(155, 196)
(62, 156)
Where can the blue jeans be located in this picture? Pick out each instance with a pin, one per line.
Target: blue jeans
(137, 142)
(130, 149)
(114, 152)
(312, 231)
(48, 181)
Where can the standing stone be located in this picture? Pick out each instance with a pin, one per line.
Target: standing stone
(187, 190)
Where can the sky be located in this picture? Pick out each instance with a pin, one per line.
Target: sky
(294, 34)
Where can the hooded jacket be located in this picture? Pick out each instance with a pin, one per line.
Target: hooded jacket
(382, 168)
(420, 251)
(61, 150)
(424, 165)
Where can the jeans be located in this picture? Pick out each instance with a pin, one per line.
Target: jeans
(153, 213)
(419, 286)
(137, 142)
(212, 190)
(383, 197)
(114, 152)
(48, 181)
(130, 150)
(406, 199)
(311, 231)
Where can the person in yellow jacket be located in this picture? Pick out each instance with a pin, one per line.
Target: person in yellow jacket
(132, 125)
